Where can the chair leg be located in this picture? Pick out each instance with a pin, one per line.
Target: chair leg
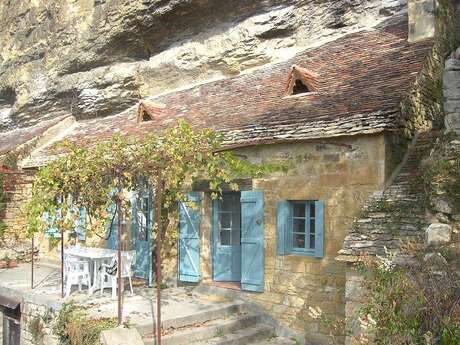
(67, 288)
(101, 291)
(131, 285)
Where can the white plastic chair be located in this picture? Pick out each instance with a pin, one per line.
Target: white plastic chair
(76, 273)
(127, 261)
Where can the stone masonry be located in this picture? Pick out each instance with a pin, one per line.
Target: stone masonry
(451, 88)
(342, 173)
(18, 192)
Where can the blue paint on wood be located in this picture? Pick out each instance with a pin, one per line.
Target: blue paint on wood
(189, 239)
(319, 229)
(252, 241)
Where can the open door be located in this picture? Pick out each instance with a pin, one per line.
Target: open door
(189, 239)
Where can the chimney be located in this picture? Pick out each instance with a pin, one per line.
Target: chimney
(421, 19)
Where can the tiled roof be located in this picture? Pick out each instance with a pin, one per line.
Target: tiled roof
(361, 78)
(14, 138)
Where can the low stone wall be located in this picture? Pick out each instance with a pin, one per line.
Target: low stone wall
(35, 328)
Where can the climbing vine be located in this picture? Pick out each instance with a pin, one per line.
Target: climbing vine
(168, 162)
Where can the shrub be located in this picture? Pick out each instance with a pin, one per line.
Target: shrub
(73, 327)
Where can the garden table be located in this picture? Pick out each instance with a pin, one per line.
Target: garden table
(96, 257)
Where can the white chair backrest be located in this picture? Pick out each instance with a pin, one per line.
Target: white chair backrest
(73, 264)
(127, 261)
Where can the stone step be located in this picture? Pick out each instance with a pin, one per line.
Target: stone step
(221, 311)
(207, 330)
(275, 341)
(245, 336)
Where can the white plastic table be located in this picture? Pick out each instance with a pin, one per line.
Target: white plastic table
(96, 257)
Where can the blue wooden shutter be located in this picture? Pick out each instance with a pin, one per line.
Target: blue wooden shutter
(189, 239)
(252, 241)
(80, 224)
(283, 222)
(51, 230)
(319, 229)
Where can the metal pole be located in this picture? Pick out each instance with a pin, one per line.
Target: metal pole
(62, 262)
(32, 265)
(120, 227)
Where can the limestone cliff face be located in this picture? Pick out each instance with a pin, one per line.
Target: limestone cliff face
(95, 57)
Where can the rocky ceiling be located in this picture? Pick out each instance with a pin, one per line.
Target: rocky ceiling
(92, 58)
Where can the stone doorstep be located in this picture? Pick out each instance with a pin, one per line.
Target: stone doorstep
(221, 311)
(204, 331)
(243, 336)
(121, 336)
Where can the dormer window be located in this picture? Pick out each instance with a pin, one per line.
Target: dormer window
(299, 87)
(301, 81)
(149, 111)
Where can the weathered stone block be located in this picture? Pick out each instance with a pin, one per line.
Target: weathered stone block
(438, 233)
(121, 336)
(421, 19)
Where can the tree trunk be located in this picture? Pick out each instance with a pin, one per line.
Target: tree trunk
(62, 262)
(119, 280)
(158, 202)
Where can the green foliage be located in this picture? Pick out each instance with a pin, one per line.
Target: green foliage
(73, 327)
(417, 304)
(99, 176)
(440, 176)
(36, 329)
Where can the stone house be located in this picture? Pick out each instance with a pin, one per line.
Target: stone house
(336, 112)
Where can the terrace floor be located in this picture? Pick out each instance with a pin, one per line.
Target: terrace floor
(138, 309)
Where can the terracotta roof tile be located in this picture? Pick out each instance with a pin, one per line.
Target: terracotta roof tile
(361, 79)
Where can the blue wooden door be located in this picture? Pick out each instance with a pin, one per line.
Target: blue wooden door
(189, 238)
(141, 230)
(227, 238)
(252, 241)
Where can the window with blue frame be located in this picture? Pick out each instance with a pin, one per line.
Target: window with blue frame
(300, 228)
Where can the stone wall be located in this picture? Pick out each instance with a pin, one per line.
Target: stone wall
(18, 192)
(33, 314)
(342, 172)
(421, 109)
(451, 88)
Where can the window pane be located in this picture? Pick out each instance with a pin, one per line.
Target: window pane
(299, 225)
(312, 209)
(299, 210)
(312, 226)
(312, 241)
(236, 237)
(227, 202)
(225, 220)
(225, 237)
(298, 241)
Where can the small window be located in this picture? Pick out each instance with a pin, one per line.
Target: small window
(299, 87)
(301, 81)
(300, 228)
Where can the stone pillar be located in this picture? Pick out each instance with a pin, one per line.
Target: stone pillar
(451, 91)
(421, 19)
(355, 297)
